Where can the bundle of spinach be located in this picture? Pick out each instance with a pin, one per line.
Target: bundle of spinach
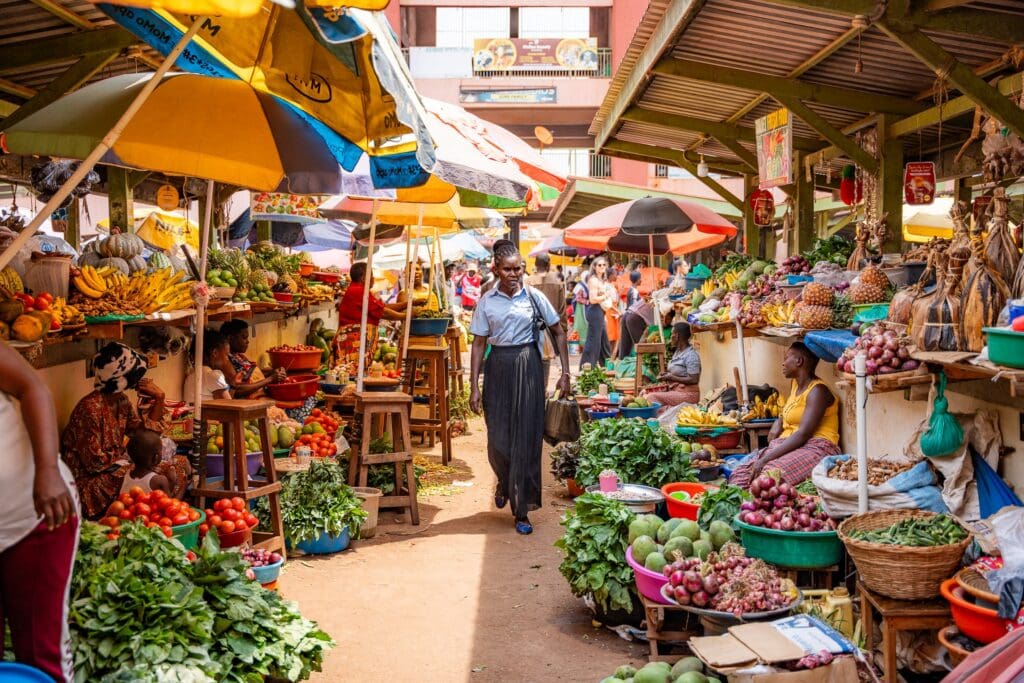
(314, 502)
(637, 453)
(565, 458)
(835, 249)
(723, 505)
(589, 380)
(141, 612)
(595, 541)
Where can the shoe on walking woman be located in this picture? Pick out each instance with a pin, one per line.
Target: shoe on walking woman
(511, 318)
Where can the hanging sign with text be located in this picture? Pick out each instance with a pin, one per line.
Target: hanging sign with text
(919, 183)
(774, 134)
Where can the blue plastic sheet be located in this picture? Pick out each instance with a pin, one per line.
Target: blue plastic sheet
(993, 493)
(828, 345)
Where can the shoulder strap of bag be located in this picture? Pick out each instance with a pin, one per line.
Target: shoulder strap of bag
(537, 314)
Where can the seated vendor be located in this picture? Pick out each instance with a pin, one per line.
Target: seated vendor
(681, 380)
(93, 443)
(215, 356)
(807, 429)
(245, 377)
(423, 298)
(346, 341)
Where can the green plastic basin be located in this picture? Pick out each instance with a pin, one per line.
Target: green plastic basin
(188, 534)
(1005, 347)
(796, 549)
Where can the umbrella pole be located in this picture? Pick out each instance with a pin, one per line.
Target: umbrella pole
(408, 282)
(657, 306)
(200, 324)
(742, 388)
(361, 372)
(860, 369)
(108, 141)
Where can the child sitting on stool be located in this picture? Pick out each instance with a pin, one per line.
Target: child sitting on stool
(145, 448)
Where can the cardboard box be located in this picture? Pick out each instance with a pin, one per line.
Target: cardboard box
(747, 653)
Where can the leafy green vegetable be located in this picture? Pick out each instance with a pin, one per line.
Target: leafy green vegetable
(835, 249)
(594, 543)
(589, 380)
(141, 613)
(807, 487)
(734, 261)
(637, 453)
(315, 502)
(723, 505)
(565, 458)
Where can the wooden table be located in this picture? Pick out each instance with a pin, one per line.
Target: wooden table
(898, 615)
(656, 615)
(754, 431)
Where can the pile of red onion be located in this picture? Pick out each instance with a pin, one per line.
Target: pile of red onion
(777, 505)
(728, 582)
(822, 658)
(886, 350)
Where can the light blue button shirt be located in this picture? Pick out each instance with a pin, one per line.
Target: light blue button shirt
(508, 321)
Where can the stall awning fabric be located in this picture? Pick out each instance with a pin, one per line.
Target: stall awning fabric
(450, 215)
(235, 8)
(194, 126)
(343, 71)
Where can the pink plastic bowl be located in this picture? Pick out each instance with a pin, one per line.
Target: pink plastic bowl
(647, 582)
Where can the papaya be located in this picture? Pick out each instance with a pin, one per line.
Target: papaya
(10, 309)
(28, 328)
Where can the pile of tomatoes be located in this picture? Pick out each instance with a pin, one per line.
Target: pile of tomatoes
(327, 422)
(320, 445)
(227, 516)
(155, 509)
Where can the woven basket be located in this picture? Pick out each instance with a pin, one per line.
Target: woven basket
(900, 571)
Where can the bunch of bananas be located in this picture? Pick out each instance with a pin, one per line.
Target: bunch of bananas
(781, 314)
(313, 292)
(692, 416)
(142, 293)
(66, 314)
(11, 281)
(762, 410)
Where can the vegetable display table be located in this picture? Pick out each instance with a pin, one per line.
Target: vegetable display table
(232, 415)
(657, 616)
(898, 615)
(391, 406)
(456, 372)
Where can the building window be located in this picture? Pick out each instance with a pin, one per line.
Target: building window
(600, 166)
(554, 22)
(660, 171)
(460, 26)
(665, 171)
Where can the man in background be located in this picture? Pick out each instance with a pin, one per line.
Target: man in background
(548, 284)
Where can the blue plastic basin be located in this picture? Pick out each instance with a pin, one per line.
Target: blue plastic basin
(325, 544)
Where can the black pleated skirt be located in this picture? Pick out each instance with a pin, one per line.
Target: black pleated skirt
(513, 399)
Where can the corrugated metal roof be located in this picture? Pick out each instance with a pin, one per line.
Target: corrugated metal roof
(763, 37)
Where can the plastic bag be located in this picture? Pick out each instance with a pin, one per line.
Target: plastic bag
(993, 493)
(914, 489)
(944, 434)
(561, 420)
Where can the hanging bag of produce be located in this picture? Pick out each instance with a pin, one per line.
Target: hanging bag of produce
(944, 434)
(561, 420)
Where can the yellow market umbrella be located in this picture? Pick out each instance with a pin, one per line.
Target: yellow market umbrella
(236, 8)
(450, 215)
(922, 227)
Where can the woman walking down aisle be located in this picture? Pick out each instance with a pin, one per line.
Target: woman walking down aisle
(511, 318)
(597, 347)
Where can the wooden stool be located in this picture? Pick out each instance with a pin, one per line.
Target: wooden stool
(656, 615)
(816, 578)
(456, 371)
(439, 423)
(394, 405)
(232, 416)
(898, 615)
(645, 349)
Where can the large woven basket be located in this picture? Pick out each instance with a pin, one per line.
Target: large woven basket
(900, 571)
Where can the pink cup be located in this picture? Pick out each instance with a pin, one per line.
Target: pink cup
(608, 482)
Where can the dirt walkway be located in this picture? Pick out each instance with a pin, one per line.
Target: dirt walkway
(461, 597)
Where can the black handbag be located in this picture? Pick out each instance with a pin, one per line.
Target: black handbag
(561, 420)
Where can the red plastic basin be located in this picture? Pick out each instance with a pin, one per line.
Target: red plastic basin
(976, 622)
(680, 508)
(284, 297)
(329, 278)
(647, 582)
(302, 387)
(295, 360)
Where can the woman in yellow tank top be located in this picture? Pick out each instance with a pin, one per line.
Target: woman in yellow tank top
(807, 429)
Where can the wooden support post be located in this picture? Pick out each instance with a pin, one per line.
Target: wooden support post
(264, 231)
(120, 199)
(73, 235)
(962, 191)
(890, 185)
(751, 232)
(79, 73)
(804, 209)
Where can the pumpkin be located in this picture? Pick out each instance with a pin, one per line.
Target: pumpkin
(123, 246)
(118, 263)
(27, 328)
(137, 263)
(89, 258)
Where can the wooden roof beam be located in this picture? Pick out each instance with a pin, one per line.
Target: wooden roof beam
(650, 154)
(79, 73)
(62, 48)
(715, 129)
(677, 16)
(958, 106)
(951, 19)
(58, 10)
(845, 98)
(12, 88)
(741, 152)
(939, 5)
(829, 132)
(959, 74)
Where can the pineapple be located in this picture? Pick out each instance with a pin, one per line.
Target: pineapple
(873, 275)
(872, 287)
(289, 282)
(814, 317)
(817, 294)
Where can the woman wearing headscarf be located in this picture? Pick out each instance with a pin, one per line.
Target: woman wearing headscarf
(93, 442)
(511, 318)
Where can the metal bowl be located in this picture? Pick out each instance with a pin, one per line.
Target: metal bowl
(645, 499)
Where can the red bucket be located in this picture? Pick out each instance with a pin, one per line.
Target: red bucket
(680, 508)
(299, 388)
